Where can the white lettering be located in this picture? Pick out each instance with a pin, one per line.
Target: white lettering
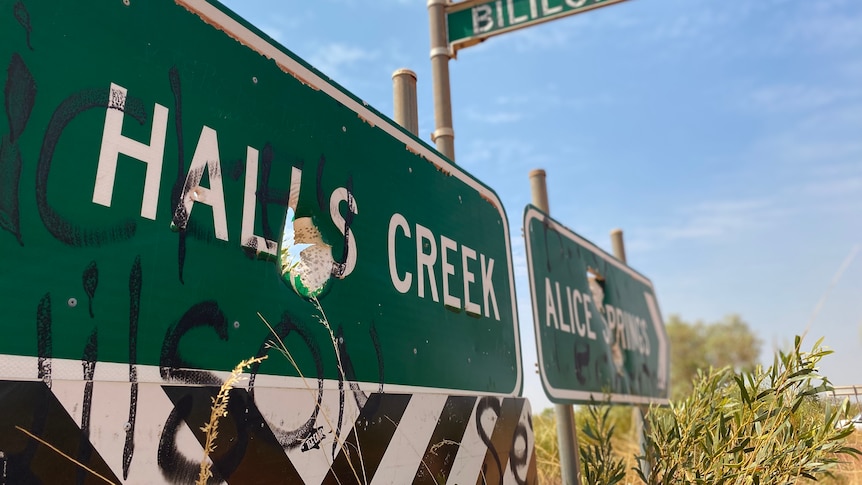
(621, 331)
(398, 221)
(587, 315)
(342, 270)
(500, 20)
(574, 298)
(114, 143)
(546, 10)
(247, 236)
(563, 326)
(295, 185)
(482, 19)
(206, 157)
(576, 3)
(487, 271)
(644, 336)
(468, 255)
(447, 245)
(512, 18)
(534, 11)
(426, 260)
(550, 306)
(610, 323)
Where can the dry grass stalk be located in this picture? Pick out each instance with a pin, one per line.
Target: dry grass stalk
(219, 410)
(55, 449)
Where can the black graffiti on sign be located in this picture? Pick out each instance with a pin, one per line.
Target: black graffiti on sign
(519, 455)
(174, 466)
(135, 284)
(23, 17)
(313, 441)
(88, 361)
(267, 195)
(292, 438)
(90, 281)
(489, 405)
(339, 267)
(177, 190)
(44, 346)
(19, 97)
(246, 450)
(582, 360)
(507, 440)
(172, 365)
(347, 372)
(60, 228)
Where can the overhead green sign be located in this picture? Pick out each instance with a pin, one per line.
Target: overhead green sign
(598, 327)
(470, 22)
(150, 153)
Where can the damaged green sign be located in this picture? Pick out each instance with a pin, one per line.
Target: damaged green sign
(150, 154)
(598, 327)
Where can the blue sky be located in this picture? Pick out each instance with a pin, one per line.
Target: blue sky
(724, 138)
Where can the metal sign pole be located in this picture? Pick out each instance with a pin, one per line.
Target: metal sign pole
(567, 437)
(638, 412)
(404, 100)
(444, 134)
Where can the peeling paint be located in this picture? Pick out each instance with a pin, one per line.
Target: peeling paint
(365, 120)
(442, 170)
(488, 200)
(229, 33)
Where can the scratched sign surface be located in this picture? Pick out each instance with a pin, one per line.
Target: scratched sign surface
(598, 327)
(152, 152)
(150, 155)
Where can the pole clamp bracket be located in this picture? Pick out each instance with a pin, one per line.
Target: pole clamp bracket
(445, 131)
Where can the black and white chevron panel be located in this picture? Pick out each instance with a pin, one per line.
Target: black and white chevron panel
(151, 433)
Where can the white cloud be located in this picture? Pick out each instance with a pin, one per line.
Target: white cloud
(332, 58)
(827, 29)
(546, 37)
(835, 187)
(714, 221)
(494, 117)
(691, 26)
(799, 97)
(503, 154)
(274, 32)
(519, 253)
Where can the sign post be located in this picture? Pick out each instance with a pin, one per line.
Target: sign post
(598, 327)
(567, 436)
(444, 133)
(454, 26)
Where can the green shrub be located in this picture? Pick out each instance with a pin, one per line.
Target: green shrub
(764, 426)
(599, 464)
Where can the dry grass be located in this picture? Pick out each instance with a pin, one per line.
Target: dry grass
(850, 472)
(548, 456)
(218, 411)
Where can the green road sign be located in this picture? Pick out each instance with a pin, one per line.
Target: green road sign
(150, 153)
(598, 326)
(471, 22)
